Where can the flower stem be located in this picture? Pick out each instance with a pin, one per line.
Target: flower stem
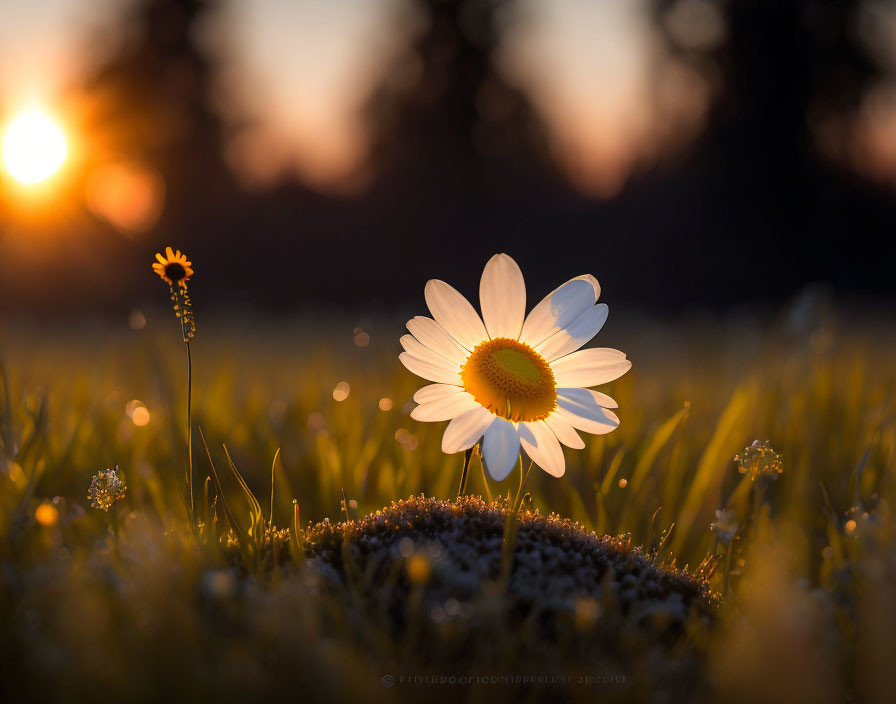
(463, 475)
(511, 526)
(190, 430)
(727, 568)
(7, 415)
(518, 499)
(488, 491)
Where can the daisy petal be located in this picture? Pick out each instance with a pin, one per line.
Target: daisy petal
(502, 297)
(542, 447)
(435, 392)
(454, 313)
(465, 430)
(602, 400)
(445, 408)
(581, 409)
(584, 402)
(500, 448)
(431, 334)
(418, 349)
(591, 280)
(590, 367)
(557, 311)
(564, 432)
(576, 334)
(445, 373)
(607, 424)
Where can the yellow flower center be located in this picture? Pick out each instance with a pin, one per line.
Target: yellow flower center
(511, 380)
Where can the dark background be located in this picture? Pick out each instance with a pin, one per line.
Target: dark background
(751, 211)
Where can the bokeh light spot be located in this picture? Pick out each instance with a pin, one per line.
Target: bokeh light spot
(137, 412)
(362, 339)
(46, 514)
(406, 439)
(342, 390)
(136, 319)
(141, 416)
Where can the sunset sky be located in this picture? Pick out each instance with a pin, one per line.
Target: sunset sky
(682, 128)
(591, 68)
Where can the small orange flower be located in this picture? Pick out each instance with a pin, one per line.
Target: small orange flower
(173, 267)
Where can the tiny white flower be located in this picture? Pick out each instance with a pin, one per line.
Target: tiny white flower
(510, 379)
(725, 527)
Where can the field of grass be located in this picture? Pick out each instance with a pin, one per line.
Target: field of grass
(130, 602)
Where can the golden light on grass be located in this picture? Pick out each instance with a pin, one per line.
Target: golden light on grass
(795, 553)
(34, 147)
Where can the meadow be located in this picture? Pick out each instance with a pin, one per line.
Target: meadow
(131, 602)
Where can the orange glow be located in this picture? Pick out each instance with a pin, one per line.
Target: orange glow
(137, 412)
(141, 416)
(510, 379)
(34, 147)
(126, 195)
(602, 78)
(46, 514)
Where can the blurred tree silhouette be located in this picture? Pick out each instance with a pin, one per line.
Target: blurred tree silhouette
(459, 169)
(444, 111)
(152, 106)
(458, 154)
(757, 182)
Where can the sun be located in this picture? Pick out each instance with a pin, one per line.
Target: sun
(33, 147)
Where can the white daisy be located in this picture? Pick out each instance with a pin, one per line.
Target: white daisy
(510, 379)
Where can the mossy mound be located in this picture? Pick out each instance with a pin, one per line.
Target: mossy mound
(430, 573)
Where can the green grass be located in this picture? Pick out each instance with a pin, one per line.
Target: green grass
(128, 601)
